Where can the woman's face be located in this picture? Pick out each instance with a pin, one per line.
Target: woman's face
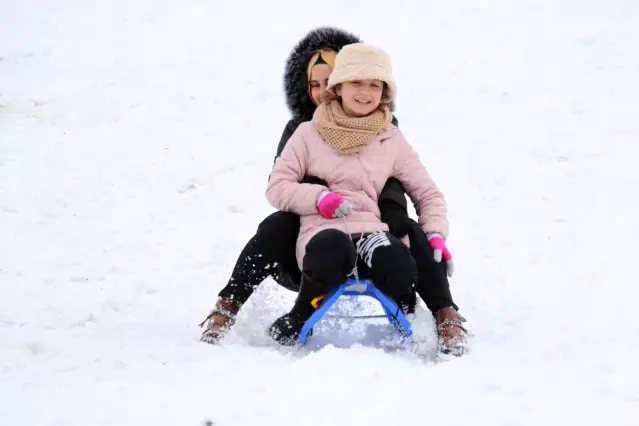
(319, 81)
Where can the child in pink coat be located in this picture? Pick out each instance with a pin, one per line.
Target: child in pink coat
(352, 145)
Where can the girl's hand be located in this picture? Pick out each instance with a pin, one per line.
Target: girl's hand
(332, 205)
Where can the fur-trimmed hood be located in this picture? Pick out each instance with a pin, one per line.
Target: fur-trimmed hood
(295, 77)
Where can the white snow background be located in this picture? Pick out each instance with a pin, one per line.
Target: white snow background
(136, 139)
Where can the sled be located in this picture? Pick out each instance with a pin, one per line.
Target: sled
(353, 287)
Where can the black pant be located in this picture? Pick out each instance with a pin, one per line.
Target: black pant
(332, 254)
(432, 282)
(270, 252)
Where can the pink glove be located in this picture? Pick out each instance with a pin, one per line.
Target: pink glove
(332, 205)
(440, 250)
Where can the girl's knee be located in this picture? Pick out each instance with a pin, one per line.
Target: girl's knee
(329, 238)
(330, 256)
(394, 267)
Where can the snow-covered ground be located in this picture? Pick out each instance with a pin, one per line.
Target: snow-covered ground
(136, 138)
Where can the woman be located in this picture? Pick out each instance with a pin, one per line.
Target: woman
(353, 146)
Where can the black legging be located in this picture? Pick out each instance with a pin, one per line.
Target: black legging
(432, 280)
(271, 252)
(331, 255)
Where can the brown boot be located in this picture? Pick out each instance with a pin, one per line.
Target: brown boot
(452, 334)
(220, 320)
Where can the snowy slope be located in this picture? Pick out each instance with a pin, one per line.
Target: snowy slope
(123, 124)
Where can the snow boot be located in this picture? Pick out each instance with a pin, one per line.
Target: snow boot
(286, 329)
(220, 320)
(407, 303)
(452, 334)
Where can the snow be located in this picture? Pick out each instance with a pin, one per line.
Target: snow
(136, 138)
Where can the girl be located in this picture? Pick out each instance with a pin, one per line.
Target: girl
(352, 145)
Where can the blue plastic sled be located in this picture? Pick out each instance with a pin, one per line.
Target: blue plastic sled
(362, 288)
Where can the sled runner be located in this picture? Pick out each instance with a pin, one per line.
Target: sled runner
(353, 287)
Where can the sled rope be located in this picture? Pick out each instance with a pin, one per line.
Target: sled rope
(354, 271)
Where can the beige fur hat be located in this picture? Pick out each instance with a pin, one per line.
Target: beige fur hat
(359, 61)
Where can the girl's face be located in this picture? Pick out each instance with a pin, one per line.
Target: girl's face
(360, 97)
(319, 81)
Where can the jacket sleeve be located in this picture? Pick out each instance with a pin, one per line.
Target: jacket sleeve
(290, 128)
(393, 196)
(421, 188)
(284, 190)
(392, 199)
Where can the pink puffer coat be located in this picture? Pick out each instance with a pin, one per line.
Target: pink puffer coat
(358, 178)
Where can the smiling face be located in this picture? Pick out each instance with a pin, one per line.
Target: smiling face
(360, 97)
(318, 81)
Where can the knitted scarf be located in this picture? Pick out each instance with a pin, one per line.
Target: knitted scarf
(349, 135)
